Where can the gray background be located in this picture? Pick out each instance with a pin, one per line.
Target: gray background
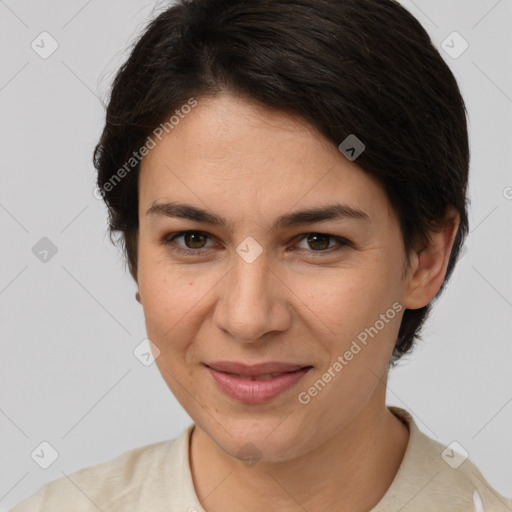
(69, 325)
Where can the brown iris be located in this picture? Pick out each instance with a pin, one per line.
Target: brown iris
(318, 240)
(193, 239)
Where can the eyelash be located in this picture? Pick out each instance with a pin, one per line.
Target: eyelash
(168, 241)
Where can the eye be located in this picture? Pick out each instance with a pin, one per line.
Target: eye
(195, 241)
(320, 242)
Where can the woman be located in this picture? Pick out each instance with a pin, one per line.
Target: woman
(289, 180)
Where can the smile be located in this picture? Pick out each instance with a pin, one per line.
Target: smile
(256, 389)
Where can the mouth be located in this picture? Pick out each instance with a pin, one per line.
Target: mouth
(265, 376)
(256, 384)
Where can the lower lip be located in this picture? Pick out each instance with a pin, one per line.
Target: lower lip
(256, 391)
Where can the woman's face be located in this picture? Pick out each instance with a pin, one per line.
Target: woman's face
(256, 290)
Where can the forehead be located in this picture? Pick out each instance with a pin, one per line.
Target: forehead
(225, 131)
(240, 156)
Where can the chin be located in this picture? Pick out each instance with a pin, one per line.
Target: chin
(259, 440)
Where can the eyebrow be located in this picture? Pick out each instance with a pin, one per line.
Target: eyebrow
(309, 216)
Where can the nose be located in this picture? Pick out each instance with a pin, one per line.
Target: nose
(253, 301)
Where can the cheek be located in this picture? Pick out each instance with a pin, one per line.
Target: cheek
(173, 299)
(348, 300)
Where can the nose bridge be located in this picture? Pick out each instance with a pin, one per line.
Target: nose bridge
(250, 286)
(249, 306)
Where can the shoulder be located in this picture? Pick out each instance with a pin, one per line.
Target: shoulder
(108, 486)
(452, 472)
(433, 475)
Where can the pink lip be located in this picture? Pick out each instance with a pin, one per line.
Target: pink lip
(255, 391)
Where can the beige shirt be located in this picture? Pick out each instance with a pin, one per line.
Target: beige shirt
(157, 478)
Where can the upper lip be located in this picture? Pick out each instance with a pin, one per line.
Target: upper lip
(256, 369)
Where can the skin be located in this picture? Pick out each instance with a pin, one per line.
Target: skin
(294, 303)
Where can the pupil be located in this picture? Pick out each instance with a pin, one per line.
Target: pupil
(193, 236)
(314, 239)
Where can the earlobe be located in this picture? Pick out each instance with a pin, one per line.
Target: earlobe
(427, 274)
(137, 297)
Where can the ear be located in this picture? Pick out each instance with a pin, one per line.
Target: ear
(428, 265)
